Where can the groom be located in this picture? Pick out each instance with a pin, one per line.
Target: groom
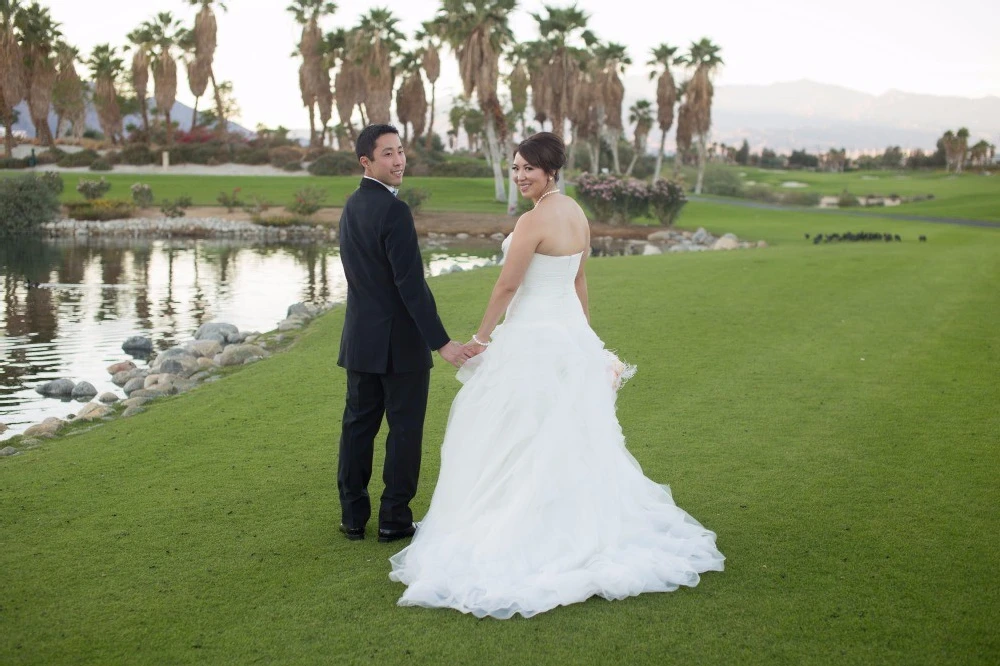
(390, 327)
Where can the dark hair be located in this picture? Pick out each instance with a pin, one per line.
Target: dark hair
(545, 151)
(365, 145)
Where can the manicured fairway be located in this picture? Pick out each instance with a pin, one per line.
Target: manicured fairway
(831, 412)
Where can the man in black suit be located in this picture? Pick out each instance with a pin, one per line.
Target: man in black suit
(390, 327)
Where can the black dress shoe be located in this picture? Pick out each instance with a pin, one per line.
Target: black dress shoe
(386, 536)
(353, 533)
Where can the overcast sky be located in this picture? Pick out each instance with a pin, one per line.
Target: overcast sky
(869, 45)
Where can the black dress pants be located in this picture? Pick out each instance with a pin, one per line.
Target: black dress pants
(402, 399)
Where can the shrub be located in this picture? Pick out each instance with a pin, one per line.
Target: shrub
(414, 197)
(137, 155)
(761, 192)
(307, 201)
(26, 202)
(252, 156)
(176, 207)
(53, 180)
(315, 153)
(82, 158)
(100, 164)
(461, 167)
(801, 198)
(50, 156)
(282, 155)
(113, 157)
(722, 182)
(292, 166)
(142, 195)
(598, 194)
(847, 200)
(230, 201)
(93, 189)
(13, 163)
(282, 221)
(259, 205)
(336, 164)
(100, 209)
(666, 199)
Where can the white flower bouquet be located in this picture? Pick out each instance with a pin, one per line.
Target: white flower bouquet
(618, 370)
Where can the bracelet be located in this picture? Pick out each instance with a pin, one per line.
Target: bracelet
(479, 342)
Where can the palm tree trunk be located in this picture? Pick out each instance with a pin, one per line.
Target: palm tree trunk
(361, 110)
(170, 128)
(430, 125)
(701, 163)
(659, 156)
(493, 146)
(613, 145)
(631, 165)
(8, 140)
(223, 124)
(571, 159)
(59, 121)
(512, 192)
(312, 126)
(144, 105)
(194, 114)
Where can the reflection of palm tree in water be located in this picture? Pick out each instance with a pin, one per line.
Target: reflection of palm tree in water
(140, 264)
(111, 274)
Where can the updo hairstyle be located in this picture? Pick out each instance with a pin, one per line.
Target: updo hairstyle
(545, 151)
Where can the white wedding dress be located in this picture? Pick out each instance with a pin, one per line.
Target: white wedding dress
(538, 502)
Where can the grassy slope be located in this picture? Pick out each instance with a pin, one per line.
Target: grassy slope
(855, 499)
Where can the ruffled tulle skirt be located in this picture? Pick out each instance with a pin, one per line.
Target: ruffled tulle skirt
(538, 502)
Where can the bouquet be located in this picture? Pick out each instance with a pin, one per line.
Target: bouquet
(619, 371)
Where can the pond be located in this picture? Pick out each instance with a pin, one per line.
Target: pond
(69, 304)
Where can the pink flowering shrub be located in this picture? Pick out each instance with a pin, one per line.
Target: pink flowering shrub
(620, 200)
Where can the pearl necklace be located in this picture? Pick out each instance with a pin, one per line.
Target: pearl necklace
(545, 195)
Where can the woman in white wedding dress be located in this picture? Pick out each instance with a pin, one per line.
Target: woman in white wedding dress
(538, 502)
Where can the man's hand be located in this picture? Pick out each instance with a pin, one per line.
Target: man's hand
(474, 348)
(455, 353)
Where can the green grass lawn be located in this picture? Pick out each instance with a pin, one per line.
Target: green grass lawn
(831, 412)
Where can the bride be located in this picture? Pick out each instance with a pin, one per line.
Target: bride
(538, 502)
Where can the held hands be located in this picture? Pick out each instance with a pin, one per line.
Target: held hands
(456, 353)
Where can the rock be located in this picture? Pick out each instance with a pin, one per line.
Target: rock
(8, 451)
(57, 388)
(124, 366)
(725, 244)
(462, 236)
(732, 236)
(121, 378)
(651, 249)
(302, 310)
(183, 367)
(132, 411)
(204, 348)
(228, 332)
(108, 398)
(205, 364)
(136, 402)
(93, 411)
(150, 381)
(497, 236)
(172, 353)
(200, 376)
(761, 243)
(148, 393)
(217, 337)
(3, 428)
(139, 344)
(47, 428)
(238, 354)
(134, 384)
(702, 237)
(84, 390)
(660, 236)
(291, 324)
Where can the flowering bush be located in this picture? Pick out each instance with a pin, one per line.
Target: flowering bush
(175, 208)
(620, 200)
(230, 201)
(100, 209)
(93, 189)
(665, 201)
(142, 195)
(307, 201)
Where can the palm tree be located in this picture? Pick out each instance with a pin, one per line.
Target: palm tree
(456, 118)
(106, 66)
(376, 42)
(684, 131)
(11, 70)
(478, 31)
(39, 34)
(411, 99)
(558, 51)
(611, 59)
(430, 34)
(68, 92)
(961, 148)
(640, 113)
(165, 32)
(205, 33)
(141, 43)
(703, 56)
(666, 96)
(311, 79)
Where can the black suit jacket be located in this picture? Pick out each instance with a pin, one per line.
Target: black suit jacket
(391, 323)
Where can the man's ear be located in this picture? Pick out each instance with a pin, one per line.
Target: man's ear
(364, 162)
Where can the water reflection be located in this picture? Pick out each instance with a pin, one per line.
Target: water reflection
(68, 305)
